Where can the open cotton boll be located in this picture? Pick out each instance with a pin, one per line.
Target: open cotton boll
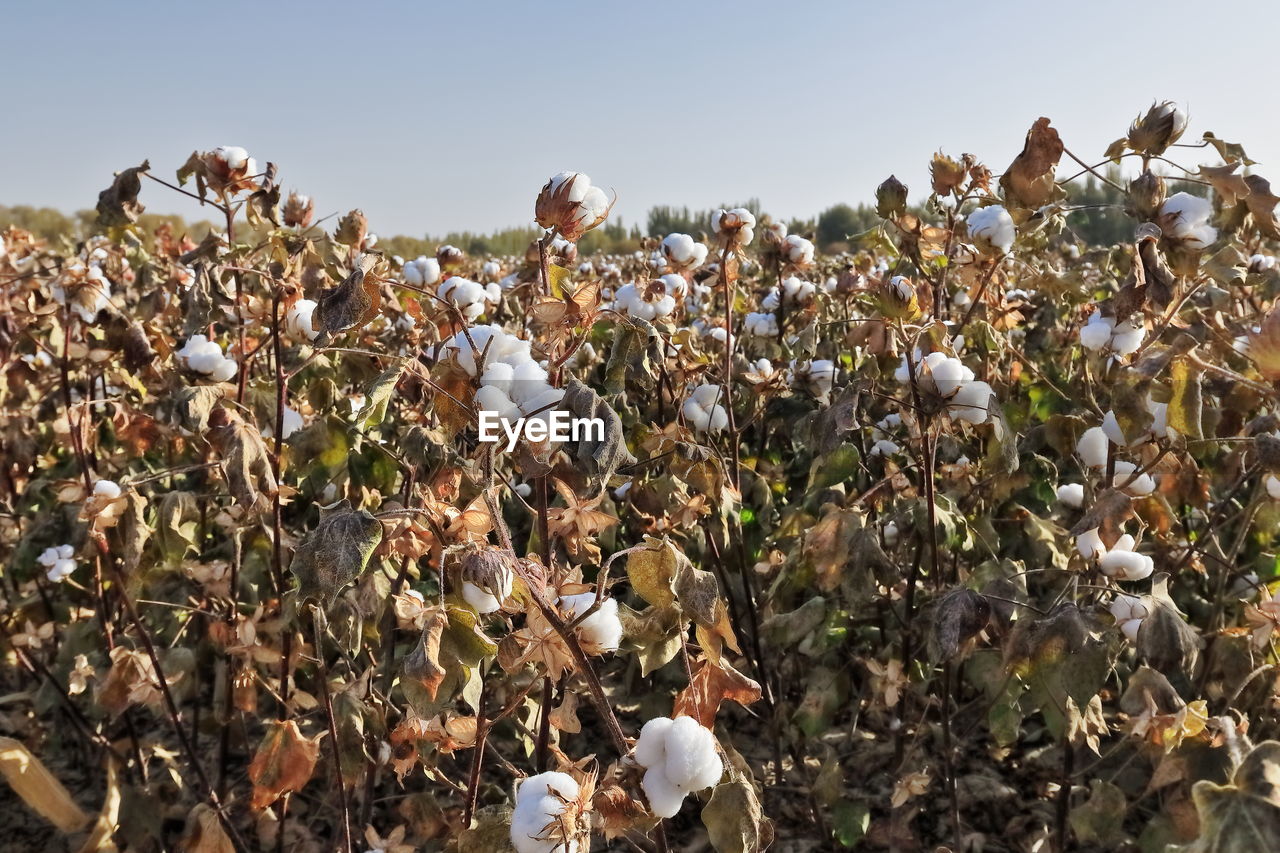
(674, 284)
(799, 250)
(683, 250)
(298, 322)
(1089, 544)
(1096, 334)
(1129, 611)
(1092, 447)
(528, 380)
(761, 325)
(1141, 486)
(992, 228)
(540, 801)
(1186, 217)
(1123, 563)
(971, 402)
(702, 411)
(234, 156)
(482, 600)
(1071, 494)
(490, 398)
(422, 271)
(225, 370)
(106, 489)
(1127, 337)
(797, 291)
(601, 631)
(680, 758)
(499, 375)
(947, 373)
(61, 570)
(1273, 486)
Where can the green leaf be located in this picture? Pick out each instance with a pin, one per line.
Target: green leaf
(378, 396)
(849, 821)
(1100, 820)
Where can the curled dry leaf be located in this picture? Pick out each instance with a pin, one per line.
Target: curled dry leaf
(283, 763)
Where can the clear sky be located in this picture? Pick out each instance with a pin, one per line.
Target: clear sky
(440, 116)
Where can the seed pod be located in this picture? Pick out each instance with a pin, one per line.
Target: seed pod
(947, 174)
(298, 210)
(1162, 126)
(352, 229)
(1165, 640)
(490, 570)
(958, 618)
(1146, 194)
(891, 198)
(450, 257)
(335, 553)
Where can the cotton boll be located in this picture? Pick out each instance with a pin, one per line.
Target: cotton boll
(1186, 217)
(651, 750)
(61, 570)
(499, 375)
(664, 798)
(703, 412)
(1092, 447)
(234, 156)
(799, 251)
(1129, 611)
(291, 422)
(1089, 544)
(1273, 486)
(601, 631)
(761, 325)
(106, 489)
(481, 601)
(298, 322)
(884, 447)
(971, 402)
(539, 803)
(947, 373)
(992, 229)
(490, 398)
(528, 380)
(1071, 494)
(1127, 337)
(675, 284)
(683, 251)
(1141, 486)
(1125, 564)
(891, 534)
(1096, 334)
(692, 762)
(225, 370)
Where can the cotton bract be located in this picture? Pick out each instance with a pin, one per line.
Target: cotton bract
(540, 803)
(679, 757)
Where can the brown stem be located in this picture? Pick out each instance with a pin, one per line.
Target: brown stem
(322, 673)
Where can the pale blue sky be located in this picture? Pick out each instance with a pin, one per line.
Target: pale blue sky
(439, 116)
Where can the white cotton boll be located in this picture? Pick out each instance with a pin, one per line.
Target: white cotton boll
(890, 533)
(1129, 611)
(692, 762)
(106, 489)
(771, 301)
(1273, 486)
(498, 374)
(601, 630)
(298, 322)
(884, 447)
(797, 291)
(702, 412)
(961, 299)
(1127, 337)
(492, 293)
(1089, 544)
(651, 749)
(1071, 494)
(1187, 218)
(1111, 427)
(541, 405)
(483, 601)
(761, 325)
(595, 204)
(292, 421)
(1159, 418)
(1096, 333)
(61, 570)
(971, 402)
(538, 804)
(1092, 447)
(48, 557)
(480, 336)
(234, 156)
(799, 250)
(947, 373)
(225, 370)
(491, 269)
(528, 380)
(664, 798)
(993, 227)
(428, 270)
(1141, 486)
(674, 284)
(523, 490)
(684, 250)
(1126, 565)
(490, 398)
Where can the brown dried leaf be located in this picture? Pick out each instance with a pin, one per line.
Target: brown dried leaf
(283, 763)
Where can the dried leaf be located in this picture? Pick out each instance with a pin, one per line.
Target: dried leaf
(335, 553)
(118, 204)
(283, 763)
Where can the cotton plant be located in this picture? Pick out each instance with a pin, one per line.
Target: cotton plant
(545, 817)
(84, 288)
(702, 409)
(571, 205)
(203, 356)
(680, 758)
(938, 374)
(734, 228)
(59, 562)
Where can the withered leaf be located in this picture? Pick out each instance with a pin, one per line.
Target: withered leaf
(118, 204)
(244, 456)
(284, 762)
(713, 682)
(335, 553)
(958, 618)
(1029, 180)
(601, 458)
(351, 304)
(423, 663)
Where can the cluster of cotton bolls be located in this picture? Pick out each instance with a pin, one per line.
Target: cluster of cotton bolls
(881, 438)
(1261, 263)
(471, 298)
(298, 320)
(795, 292)
(1119, 561)
(1092, 449)
(817, 377)
(703, 411)
(59, 562)
(541, 801)
(992, 229)
(1185, 217)
(737, 227)
(422, 271)
(760, 325)
(798, 250)
(512, 384)
(205, 356)
(949, 378)
(601, 631)
(653, 301)
(683, 252)
(1104, 333)
(1129, 611)
(680, 758)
